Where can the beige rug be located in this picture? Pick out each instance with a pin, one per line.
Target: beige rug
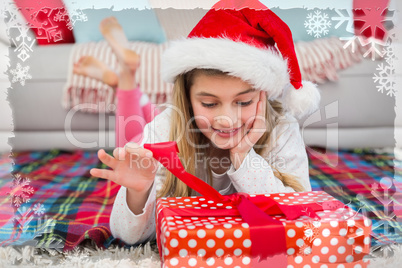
(89, 256)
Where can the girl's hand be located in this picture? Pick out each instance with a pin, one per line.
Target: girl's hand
(258, 128)
(132, 167)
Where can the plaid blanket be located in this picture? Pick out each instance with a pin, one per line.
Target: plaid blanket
(367, 181)
(52, 201)
(49, 199)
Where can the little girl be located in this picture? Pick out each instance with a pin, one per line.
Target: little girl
(234, 101)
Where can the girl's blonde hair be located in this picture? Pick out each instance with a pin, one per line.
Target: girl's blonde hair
(187, 151)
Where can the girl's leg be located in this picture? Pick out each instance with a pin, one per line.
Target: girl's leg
(130, 120)
(91, 67)
(114, 34)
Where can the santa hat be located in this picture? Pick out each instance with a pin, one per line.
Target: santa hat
(241, 41)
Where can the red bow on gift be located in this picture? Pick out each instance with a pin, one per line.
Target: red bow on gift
(262, 225)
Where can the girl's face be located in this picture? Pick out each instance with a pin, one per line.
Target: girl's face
(224, 108)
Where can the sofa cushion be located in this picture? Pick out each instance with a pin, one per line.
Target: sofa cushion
(133, 22)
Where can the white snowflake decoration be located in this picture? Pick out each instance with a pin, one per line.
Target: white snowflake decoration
(387, 216)
(386, 200)
(317, 24)
(12, 19)
(21, 191)
(311, 231)
(46, 226)
(23, 43)
(20, 74)
(19, 33)
(39, 209)
(23, 221)
(22, 217)
(374, 46)
(386, 77)
(76, 15)
(344, 18)
(390, 55)
(305, 250)
(23, 40)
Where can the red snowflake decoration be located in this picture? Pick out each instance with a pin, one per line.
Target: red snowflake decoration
(21, 191)
(369, 18)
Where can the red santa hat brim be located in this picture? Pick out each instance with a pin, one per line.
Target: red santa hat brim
(264, 69)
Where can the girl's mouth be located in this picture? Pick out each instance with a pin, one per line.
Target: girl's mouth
(226, 133)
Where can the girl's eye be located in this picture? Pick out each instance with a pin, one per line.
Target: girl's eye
(208, 105)
(245, 103)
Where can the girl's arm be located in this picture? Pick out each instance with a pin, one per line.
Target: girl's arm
(286, 153)
(135, 227)
(129, 227)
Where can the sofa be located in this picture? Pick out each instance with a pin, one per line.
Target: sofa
(353, 114)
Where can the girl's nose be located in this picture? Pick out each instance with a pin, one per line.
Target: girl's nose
(227, 118)
(224, 121)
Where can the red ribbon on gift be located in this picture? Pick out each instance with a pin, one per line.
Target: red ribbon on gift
(262, 226)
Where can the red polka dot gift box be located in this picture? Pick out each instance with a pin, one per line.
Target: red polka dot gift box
(340, 238)
(308, 229)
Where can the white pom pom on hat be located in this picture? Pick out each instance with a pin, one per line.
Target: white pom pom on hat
(239, 37)
(303, 101)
